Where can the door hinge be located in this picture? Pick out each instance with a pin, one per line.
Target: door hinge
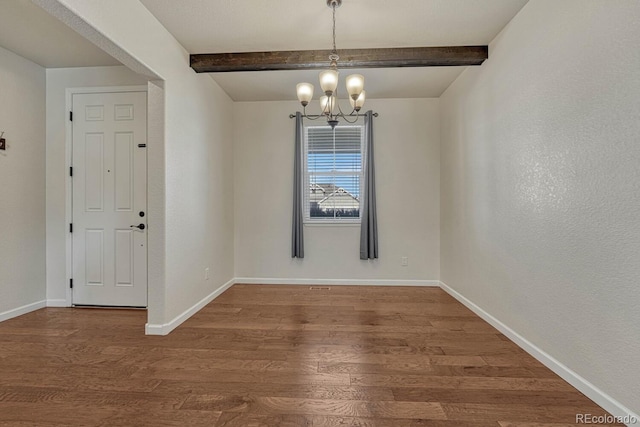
(70, 116)
(71, 228)
(71, 171)
(71, 283)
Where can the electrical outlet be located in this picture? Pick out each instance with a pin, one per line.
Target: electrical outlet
(206, 273)
(404, 261)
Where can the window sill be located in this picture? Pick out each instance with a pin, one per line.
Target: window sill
(331, 224)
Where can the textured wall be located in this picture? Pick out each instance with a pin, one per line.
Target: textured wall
(541, 186)
(406, 138)
(22, 182)
(58, 80)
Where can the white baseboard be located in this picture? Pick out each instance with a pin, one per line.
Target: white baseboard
(591, 391)
(15, 312)
(337, 282)
(166, 328)
(57, 303)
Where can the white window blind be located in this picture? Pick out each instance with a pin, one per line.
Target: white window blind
(333, 173)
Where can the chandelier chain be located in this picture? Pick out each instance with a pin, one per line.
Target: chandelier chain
(335, 51)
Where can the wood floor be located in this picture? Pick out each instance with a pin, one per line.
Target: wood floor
(280, 356)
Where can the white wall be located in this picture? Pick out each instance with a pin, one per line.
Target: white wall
(22, 184)
(541, 186)
(406, 142)
(197, 216)
(58, 80)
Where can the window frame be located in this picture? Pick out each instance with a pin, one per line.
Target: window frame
(306, 177)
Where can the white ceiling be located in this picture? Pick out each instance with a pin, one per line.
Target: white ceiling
(210, 26)
(32, 33)
(215, 26)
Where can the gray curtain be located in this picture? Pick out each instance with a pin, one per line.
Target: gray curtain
(297, 241)
(369, 223)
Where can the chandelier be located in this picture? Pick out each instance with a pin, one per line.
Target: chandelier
(329, 104)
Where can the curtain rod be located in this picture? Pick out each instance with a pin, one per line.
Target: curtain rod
(292, 116)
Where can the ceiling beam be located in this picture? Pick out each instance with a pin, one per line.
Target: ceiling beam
(349, 58)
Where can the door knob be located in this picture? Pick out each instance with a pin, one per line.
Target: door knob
(139, 226)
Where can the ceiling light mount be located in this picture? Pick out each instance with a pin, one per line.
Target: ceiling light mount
(329, 83)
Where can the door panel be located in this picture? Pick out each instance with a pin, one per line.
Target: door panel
(109, 191)
(93, 172)
(124, 257)
(123, 172)
(93, 260)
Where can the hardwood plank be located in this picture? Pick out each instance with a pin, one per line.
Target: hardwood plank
(12, 413)
(511, 360)
(195, 375)
(534, 424)
(235, 419)
(363, 349)
(527, 413)
(335, 421)
(306, 391)
(334, 357)
(78, 382)
(349, 58)
(494, 396)
(71, 414)
(349, 408)
(526, 424)
(125, 399)
(426, 369)
(177, 418)
(460, 383)
(230, 365)
(40, 332)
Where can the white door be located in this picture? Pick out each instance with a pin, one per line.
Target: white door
(109, 178)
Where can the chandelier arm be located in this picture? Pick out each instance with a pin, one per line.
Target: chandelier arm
(317, 116)
(310, 117)
(344, 117)
(304, 115)
(341, 113)
(313, 116)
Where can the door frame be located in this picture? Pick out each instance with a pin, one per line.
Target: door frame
(69, 92)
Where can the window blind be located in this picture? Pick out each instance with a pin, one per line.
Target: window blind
(333, 172)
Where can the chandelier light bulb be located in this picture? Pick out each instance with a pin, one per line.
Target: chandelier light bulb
(358, 103)
(355, 85)
(327, 104)
(329, 81)
(305, 93)
(324, 100)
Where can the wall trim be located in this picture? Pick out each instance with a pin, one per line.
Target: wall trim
(336, 282)
(57, 303)
(166, 328)
(28, 308)
(591, 391)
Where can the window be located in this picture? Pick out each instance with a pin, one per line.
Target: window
(333, 173)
